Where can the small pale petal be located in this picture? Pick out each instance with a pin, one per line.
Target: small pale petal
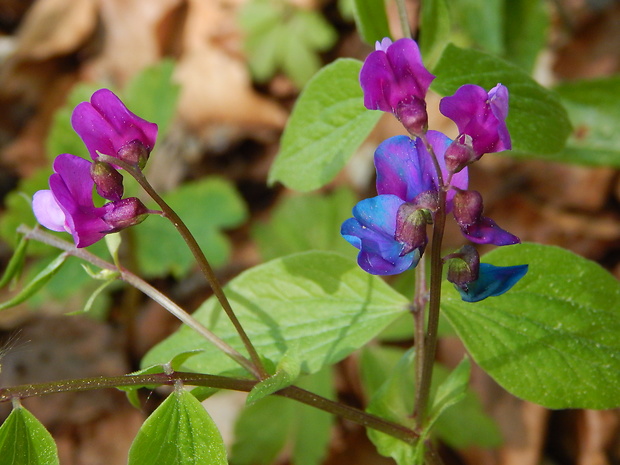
(47, 211)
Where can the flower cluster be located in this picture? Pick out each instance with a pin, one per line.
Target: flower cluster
(418, 175)
(107, 127)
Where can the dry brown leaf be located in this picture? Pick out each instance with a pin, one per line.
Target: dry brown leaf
(55, 27)
(129, 37)
(215, 83)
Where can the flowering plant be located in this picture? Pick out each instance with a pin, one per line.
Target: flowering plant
(277, 329)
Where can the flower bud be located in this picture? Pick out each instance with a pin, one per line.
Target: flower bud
(463, 267)
(467, 207)
(460, 153)
(411, 222)
(135, 153)
(108, 181)
(125, 213)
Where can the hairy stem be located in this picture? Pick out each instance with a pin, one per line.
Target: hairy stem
(220, 382)
(146, 288)
(199, 256)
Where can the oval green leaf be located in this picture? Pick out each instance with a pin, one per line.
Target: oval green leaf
(179, 431)
(25, 441)
(553, 338)
(320, 302)
(328, 123)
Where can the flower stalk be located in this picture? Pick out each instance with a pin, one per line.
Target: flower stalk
(199, 256)
(220, 382)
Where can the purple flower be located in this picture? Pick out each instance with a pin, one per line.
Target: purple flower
(405, 167)
(395, 80)
(106, 126)
(68, 204)
(481, 116)
(475, 227)
(492, 281)
(373, 230)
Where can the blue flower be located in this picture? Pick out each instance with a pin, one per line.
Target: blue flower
(373, 231)
(492, 281)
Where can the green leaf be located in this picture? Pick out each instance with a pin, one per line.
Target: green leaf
(371, 20)
(471, 14)
(37, 283)
(537, 121)
(305, 222)
(259, 439)
(594, 109)
(435, 27)
(553, 338)
(283, 36)
(390, 370)
(321, 301)
(16, 263)
(328, 123)
(449, 392)
(25, 441)
(287, 371)
(394, 401)
(152, 95)
(205, 206)
(179, 431)
(525, 31)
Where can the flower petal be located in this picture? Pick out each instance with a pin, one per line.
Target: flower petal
(47, 211)
(392, 74)
(492, 281)
(486, 231)
(480, 115)
(105, 125)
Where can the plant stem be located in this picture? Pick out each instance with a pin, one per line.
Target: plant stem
(430, 337)
(202, 261)
(221, 382)
(146, 288)
(420, 299)
(404, 20)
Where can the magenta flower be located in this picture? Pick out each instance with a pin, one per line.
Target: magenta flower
(106, 126)
(68, 204)
(481, 116)
(395, 80)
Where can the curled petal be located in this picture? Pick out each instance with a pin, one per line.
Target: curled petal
(486, 231)
(480, 115)
(492, 281)
(372, 230)
(106, 125)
